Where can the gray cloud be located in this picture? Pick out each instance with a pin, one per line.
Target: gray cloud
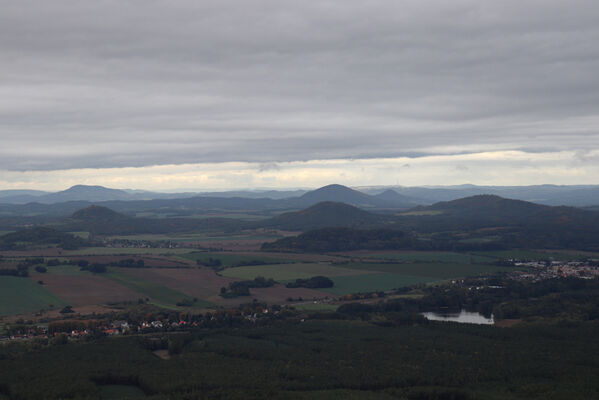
(135, 83)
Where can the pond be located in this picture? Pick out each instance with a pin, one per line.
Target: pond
(463, 317)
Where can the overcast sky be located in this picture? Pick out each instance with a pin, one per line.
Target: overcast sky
(236, 94)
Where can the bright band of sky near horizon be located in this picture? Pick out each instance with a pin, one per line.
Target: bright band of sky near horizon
(209, 94)
(561, 168)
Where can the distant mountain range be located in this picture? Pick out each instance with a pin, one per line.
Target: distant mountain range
(552, 195)
(364, 197)
(121, 201)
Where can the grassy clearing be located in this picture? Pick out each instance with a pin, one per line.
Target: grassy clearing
(231, 259)
(23, 295)
(316, 306)
(434, 256)
(104, 251)
(373, 282)
(287, 272)
(429, 270)
(158, 294)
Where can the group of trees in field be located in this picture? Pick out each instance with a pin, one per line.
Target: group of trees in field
(242, 288)
(40, 236)
(316, 282)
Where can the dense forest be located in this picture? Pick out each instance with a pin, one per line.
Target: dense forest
(363, 351)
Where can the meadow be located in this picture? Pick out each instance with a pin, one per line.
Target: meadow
(24, 295)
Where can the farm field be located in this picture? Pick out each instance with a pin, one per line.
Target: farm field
(373, 282)
(24, 295)
(429, 270)
(80, 288)
(286, 272)
(202, 283)
(157, 293)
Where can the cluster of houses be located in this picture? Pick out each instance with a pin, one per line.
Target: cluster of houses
(540, 270)
(123, 327)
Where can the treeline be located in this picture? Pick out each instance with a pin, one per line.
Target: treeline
(40, 236)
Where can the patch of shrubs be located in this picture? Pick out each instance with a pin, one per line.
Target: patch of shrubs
(315, 282)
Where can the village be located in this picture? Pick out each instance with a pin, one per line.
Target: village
(540, 270)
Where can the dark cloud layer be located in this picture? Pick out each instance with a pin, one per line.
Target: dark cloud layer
(134, 83)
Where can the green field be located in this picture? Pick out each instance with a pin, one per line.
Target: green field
(230, 259)
(160, 295)
(435, 256)
(430, 270)
(102, 251)
(287, 272)
(118, 392)
(373, 282)
(23, 295)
